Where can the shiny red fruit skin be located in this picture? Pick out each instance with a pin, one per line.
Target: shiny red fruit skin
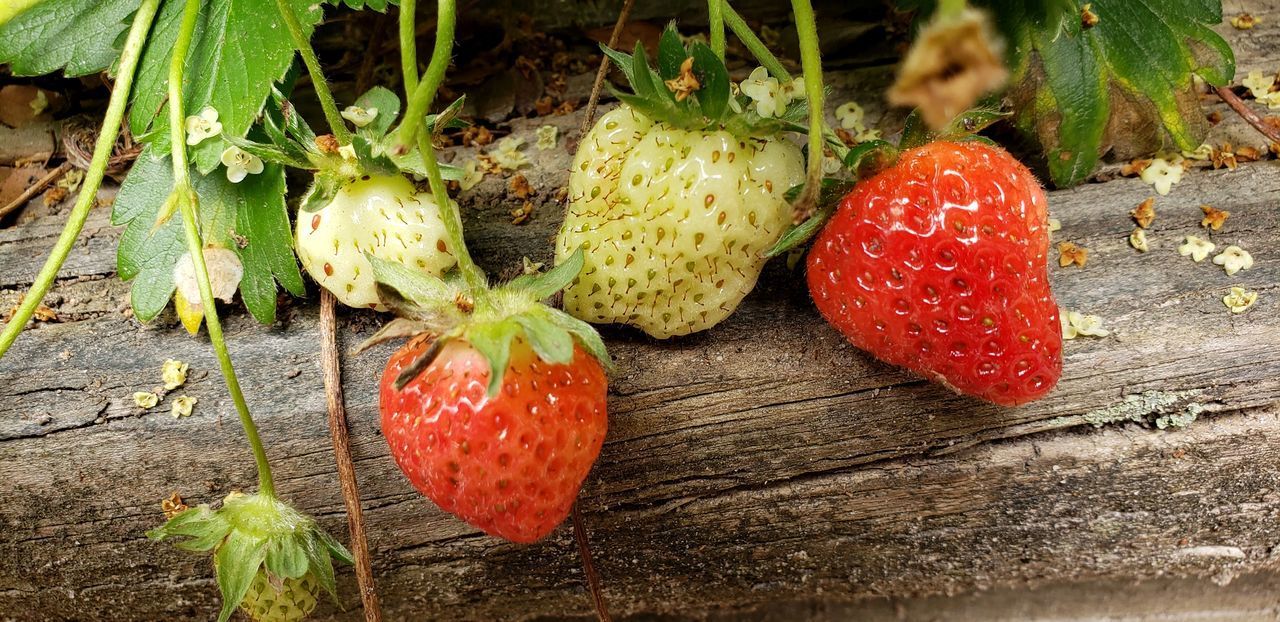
(939, 264)
(510, 465)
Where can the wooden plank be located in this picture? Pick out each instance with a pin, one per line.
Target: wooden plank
(765, 460)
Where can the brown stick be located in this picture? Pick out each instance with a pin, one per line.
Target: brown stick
(604, 67)
(35, 189)
(332, 364)
(1248, 114)
(589, 568)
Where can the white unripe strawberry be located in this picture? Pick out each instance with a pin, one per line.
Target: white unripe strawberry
(674, 223)
(385, 216)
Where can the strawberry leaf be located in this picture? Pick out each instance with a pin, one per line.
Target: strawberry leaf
(77, 36)
(248, 218)
(1124, 84)
(240, 50)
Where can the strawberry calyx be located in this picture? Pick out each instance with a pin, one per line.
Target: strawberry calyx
(488, 318)
(866, 159)
(284, 137)
(690, 89)
(255, 534)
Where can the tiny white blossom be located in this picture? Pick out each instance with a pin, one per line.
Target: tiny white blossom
(791, 91)
(174, 374)
(1054, 225)
(471, 175)
(1076, 324)
(225, 272)
(1197, 248)
(508, 155)
(358, 116)
(547, 136)
(202, 126)
(1240, 299)
(765, 91)
(240, 163)
(1162, 174)
(181, 406)
(1259, 84)
(145, 399)
(1234, 259)
(1272, 100)
(851, 116)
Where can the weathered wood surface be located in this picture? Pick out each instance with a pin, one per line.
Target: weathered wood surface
(764, 468)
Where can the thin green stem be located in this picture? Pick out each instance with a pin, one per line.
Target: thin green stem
(409, 44)
(318, 82)
(754, 44)
(811, 63)
(187, 204)
(715, 17)
(424, 93)
(102, 151)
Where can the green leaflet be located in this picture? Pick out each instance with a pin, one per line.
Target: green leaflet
(248, 218)
(1132, 70)
(77, 36)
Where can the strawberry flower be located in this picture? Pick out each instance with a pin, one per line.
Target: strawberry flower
(764, 90)
(240, 163)
(1234, 259)
(182, 406)
(358, 116)
(1259, 84)
(471, 175)
(145, 399)
(1076, 324)
(1197, 248)
(508, 155)
(203, 125)
(1162, 174)
(174, 374)
(547, 136)
(1239, 299)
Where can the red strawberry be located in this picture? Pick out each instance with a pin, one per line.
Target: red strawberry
(510, 464)
(938, 264)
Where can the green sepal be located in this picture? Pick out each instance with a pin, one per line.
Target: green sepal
(286, 558)
(388, 105)
(868, 158)
(545, 285)
(584, 333)
(279, 154)
(203, 529)
(621, 60)
(493, 341)
(447, 119)
(294, 125)
(336, 549)
(324, 187)
(829, 196)
(236, 562)
(551, 343)
(915, 132)
(373, 160)
(671, 52)
(713, 97)
(321, 565)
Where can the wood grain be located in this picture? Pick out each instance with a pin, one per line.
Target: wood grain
(760, 467)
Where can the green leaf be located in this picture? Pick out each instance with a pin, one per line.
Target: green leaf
(713, 97)
(248, 218)
(376, 5)
(237, 562)
(1137, 63)
(388, 105)
(493, 341)
(239, 50)
(77, 36)
(546, 284)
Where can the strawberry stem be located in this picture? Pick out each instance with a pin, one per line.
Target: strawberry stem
(309, 59)
(423, 93)
(754, 44)
(102, 151)
(811, 63)
(715, 17)
(187, 205)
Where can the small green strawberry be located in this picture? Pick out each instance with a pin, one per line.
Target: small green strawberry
(675, 196)
(270, 560)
